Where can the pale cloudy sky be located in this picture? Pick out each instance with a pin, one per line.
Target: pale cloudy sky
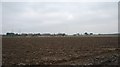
(54, 17)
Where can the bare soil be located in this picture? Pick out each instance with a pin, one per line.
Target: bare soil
(60, 51)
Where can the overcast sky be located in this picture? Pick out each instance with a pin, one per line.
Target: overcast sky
(54, 17)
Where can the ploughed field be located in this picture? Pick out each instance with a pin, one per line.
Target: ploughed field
(60, 50)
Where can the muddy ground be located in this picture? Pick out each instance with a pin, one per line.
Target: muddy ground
(60, 51)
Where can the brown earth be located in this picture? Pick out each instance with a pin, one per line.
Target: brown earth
(60, 50)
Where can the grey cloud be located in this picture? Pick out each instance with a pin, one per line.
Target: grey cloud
(60, 17)
(59, 0)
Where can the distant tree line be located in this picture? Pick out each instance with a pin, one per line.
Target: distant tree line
(77, 34)
(37, 34)
(44, 34)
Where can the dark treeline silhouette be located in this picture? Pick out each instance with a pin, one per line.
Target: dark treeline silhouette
(57, 34)
(35, 34)
(44, 34)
